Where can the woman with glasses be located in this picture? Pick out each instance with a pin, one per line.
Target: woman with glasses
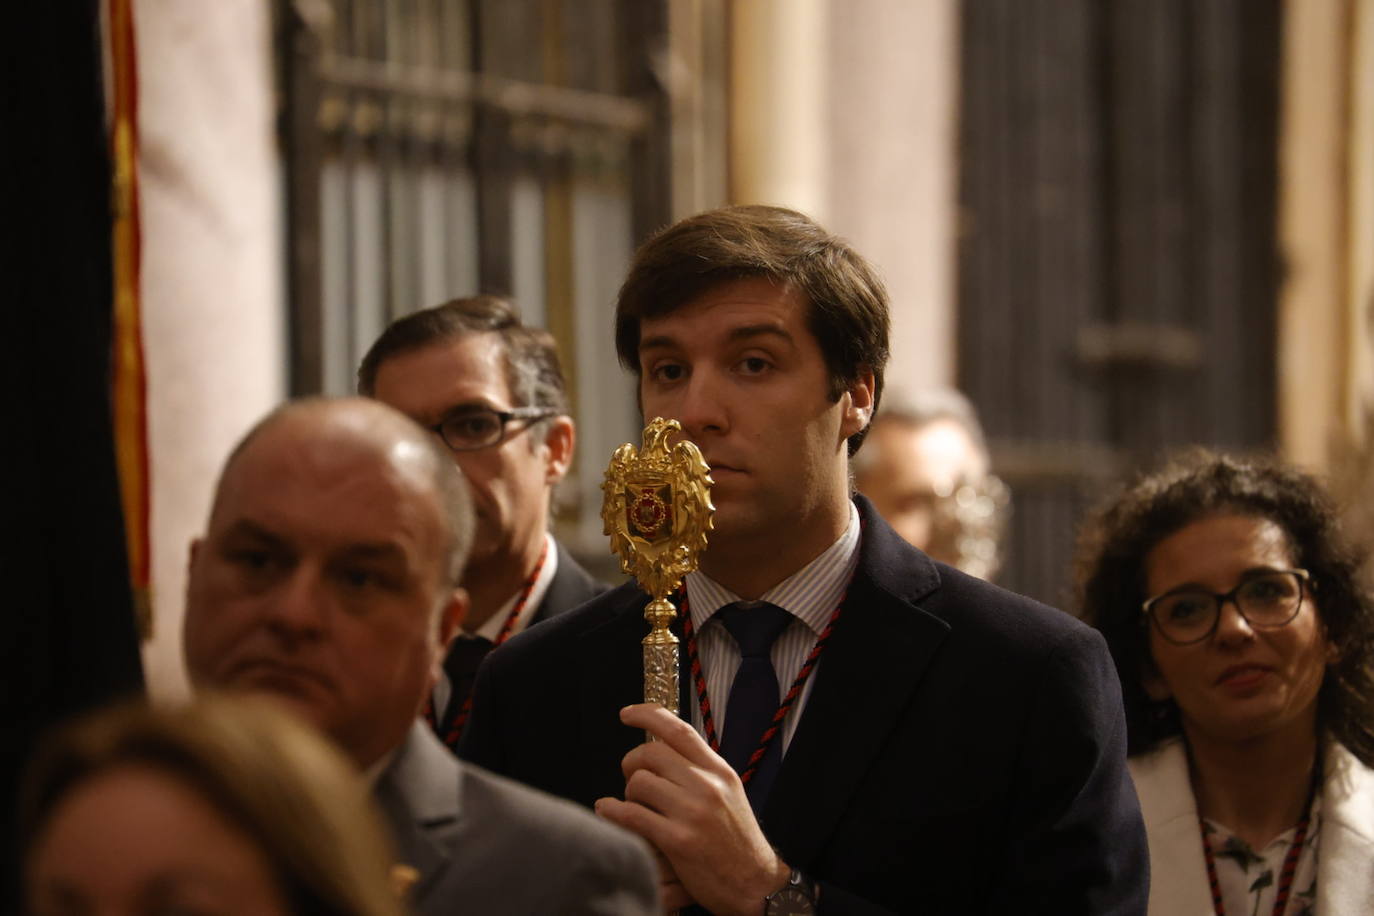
(1244, 647)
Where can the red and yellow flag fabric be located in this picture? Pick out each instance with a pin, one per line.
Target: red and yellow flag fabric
(129, 381)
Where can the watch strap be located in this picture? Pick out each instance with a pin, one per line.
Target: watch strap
(797, 882)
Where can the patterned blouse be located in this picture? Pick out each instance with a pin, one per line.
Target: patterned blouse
(1249, 878)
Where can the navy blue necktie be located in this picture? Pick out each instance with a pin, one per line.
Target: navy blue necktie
(464, 657)
(754, 695)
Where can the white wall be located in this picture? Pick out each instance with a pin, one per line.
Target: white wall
(1326, 225)
(893, 176)
(212, 269)
(846, 110)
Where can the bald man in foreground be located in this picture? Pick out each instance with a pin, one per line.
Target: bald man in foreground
(328, 577)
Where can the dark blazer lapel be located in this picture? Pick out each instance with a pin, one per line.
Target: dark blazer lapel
(571, 586)
(611, 676)
(879, 652)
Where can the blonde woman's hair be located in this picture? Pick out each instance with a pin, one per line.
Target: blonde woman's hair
(285, 786)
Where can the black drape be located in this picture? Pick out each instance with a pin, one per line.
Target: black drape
(69, 641)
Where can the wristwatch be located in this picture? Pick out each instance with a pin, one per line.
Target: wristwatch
(797, 897)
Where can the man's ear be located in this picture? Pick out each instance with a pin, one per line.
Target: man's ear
(560, 441)
(857, 403)
(451, 617)
(191, 554)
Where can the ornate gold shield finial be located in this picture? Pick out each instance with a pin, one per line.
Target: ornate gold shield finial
(657, 510)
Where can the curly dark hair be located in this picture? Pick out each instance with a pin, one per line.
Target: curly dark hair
(1111, 581)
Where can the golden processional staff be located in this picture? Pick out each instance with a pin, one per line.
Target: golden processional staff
(657, 510)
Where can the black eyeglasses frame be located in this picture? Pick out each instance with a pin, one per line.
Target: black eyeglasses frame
(1304, 583)
(505, 417)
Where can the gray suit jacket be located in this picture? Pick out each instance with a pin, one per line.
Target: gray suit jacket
(484, 844)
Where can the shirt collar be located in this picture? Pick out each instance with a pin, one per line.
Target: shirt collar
(491, 628)
(810, 594)
(373, 773)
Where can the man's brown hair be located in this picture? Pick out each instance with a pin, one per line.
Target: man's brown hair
(846, 302)
(533, 371)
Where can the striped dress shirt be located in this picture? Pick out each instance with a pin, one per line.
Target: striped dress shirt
(810, 595)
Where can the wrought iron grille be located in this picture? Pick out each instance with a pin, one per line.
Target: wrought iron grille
(439, 148)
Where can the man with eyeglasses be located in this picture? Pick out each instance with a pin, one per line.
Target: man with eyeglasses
(492, 389)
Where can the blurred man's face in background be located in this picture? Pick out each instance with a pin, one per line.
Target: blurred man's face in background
(911, 468)
(511, 480)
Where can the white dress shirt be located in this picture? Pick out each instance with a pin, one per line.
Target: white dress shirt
(491, 627)
(810, 595)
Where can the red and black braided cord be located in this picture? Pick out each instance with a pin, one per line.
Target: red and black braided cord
(455, 730)
(770, 733)
(1286, 872)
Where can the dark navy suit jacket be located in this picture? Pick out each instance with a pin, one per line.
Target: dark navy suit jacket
(963, 749)
(571, 586)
